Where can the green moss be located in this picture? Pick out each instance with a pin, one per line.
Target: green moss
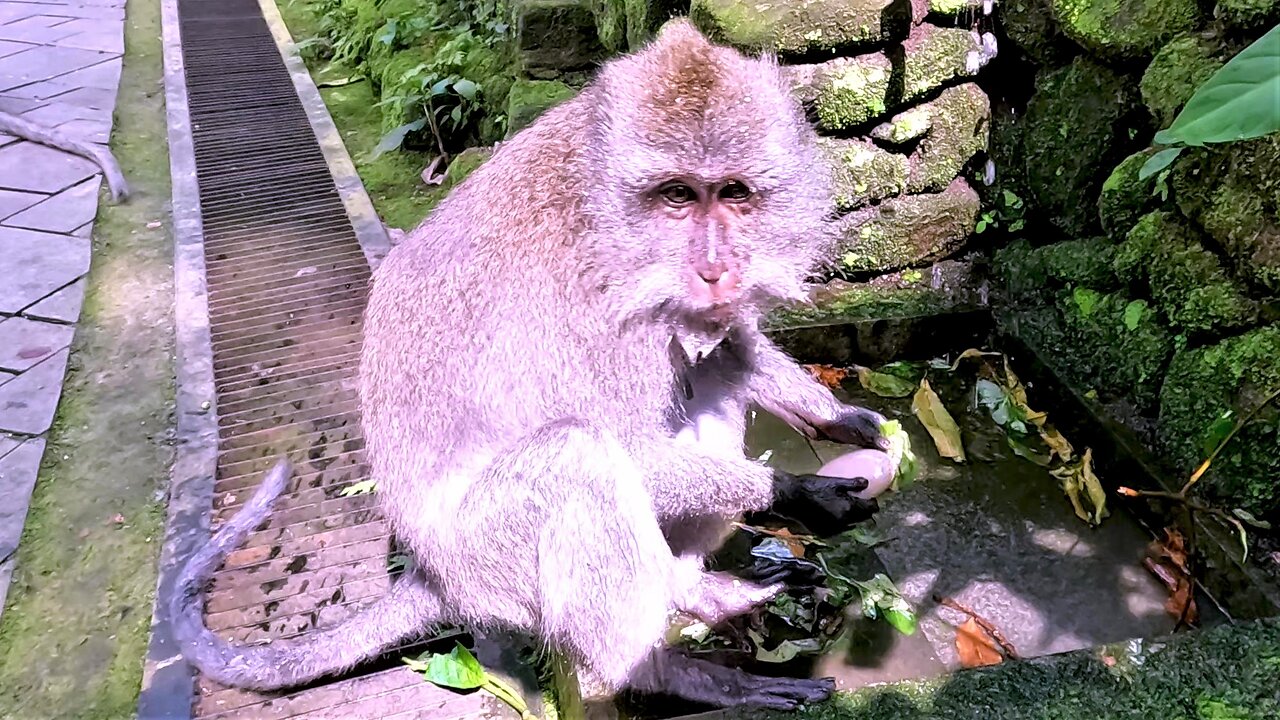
(1233, 192)
(908, 230)
(958, 130)
(1177, 70)
(951, 7)
(76, 624)
(855, 303)
(1186, 281)
(1124, 198)
(530, 98)
(1235, 374)
(1248, 14)
(1125, 29)
(802, 27)
(1026, 272)
(851, 92)
(611, 23)
(466, 163)
(1226, 672)
(644, 17)
(1074, 132)
(1032, 27)
(934, 56)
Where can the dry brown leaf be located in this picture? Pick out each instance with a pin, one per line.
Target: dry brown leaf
(928, 407)
(1167, 559)
(828, 375)
(975, 646)
(793, 542)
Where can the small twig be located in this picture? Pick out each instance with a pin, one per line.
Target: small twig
(982, 622)
(1204, 466)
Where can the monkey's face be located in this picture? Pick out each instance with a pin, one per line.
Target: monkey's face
(705, 216)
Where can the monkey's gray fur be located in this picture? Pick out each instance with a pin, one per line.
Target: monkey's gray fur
(555, 376)
(27, 130)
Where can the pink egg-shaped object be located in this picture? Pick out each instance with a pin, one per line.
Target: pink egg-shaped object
(877, 466)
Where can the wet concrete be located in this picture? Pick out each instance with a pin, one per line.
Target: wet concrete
(995, 533)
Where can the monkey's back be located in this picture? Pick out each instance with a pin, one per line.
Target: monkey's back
(479, 329)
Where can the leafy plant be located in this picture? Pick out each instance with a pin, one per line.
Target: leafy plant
(1240, 101)
(1007, 213)
(364, 487)
(461, 671)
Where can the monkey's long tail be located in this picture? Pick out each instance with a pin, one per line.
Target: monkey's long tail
(28, 130)
(405, 611)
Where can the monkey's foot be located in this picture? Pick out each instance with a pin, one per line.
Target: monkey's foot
(706, 682)
(717, 597)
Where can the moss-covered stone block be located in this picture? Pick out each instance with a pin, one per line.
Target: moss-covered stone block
(1235, 374)
(557, 35)
(1124, 198)
(1076, 128)
(958, 126)
(1032, 27)
(611, 24)
(466, 163)
(952, 8)
(1233, 192)
(1180, 67)
(846, 92)
(1184, 279)
(644, 17)
(1026, 271)
(1248, 14)
(1126, 29)
(908, 230)
(798, 27)
(530, 98)
(863, 172)
(1108, 342)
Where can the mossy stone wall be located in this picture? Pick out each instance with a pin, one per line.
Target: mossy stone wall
(1159, 294)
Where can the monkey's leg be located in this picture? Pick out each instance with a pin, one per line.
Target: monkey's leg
(674, 673)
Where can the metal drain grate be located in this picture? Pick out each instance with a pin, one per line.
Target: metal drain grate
(286, 280)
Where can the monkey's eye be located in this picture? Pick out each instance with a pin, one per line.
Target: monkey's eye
(735, 191)
(677, 194)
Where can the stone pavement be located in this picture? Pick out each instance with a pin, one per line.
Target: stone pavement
(60, 63)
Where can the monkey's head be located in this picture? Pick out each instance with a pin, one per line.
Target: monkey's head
(708, 200)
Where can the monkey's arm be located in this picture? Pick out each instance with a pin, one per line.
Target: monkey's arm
(782, 388)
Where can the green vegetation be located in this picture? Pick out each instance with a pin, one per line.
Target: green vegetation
(75, 632)
(1125, 29)
(1227, 673)
(1174, 74)
(1125, 197)
(530, 98)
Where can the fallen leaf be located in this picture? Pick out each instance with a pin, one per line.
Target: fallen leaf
(828, 375)
(793, 542)
(971, 353)
(1082, 486)
(975, 647)
(927, 406)
(884, 384)
(1168, 559)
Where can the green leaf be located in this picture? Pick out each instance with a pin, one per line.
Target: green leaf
(1249, 519)
(459, 669)
(387, 34)
(440, 87)
(1217, 432)
(456, 114)
(393, 139)
(364, 487)
(903, 622)
(1238, 102)
(466, 88)
(1159, 161)
(1086, 299)
(982, 225)
(1133, 313)
(900, 445)
(884, 384)
(867, 536)
(905, 369)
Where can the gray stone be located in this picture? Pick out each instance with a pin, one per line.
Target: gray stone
(6, 139)
(84, 231)
(35, 29)
(40, 91)
(12, 201)
(63, 213)
(44, 63)
(103, 75)
(58, 170)
(63, 306)
(8, 443)
(57, 112)
(29, 400)
(18, 471)
(35, 264)
(100, 98)
(93, 34)
(18, 105)
(95, 131)
(25, 343)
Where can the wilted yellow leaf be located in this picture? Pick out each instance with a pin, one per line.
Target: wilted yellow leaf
(971, 353)
(1082, 486)
(975, 647)
(1054, 439)
(942, 428)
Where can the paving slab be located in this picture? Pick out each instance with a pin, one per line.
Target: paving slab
(62, 306)
(19, 105)
(35, 264)
(9, 47)
(8, 443)
(13, 201)
(101, 98)
(29, 400)
(58, 170)
(61, 213)
(18, 470)
(45, 62)
(56, 112)
(25, 343)
(103, 75)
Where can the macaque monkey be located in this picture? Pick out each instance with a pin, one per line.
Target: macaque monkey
(13, 125)
(556, 371)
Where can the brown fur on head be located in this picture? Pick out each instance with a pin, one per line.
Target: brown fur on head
(686, 111)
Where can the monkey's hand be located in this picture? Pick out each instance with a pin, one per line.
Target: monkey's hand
(854, 425)
(825, 505)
